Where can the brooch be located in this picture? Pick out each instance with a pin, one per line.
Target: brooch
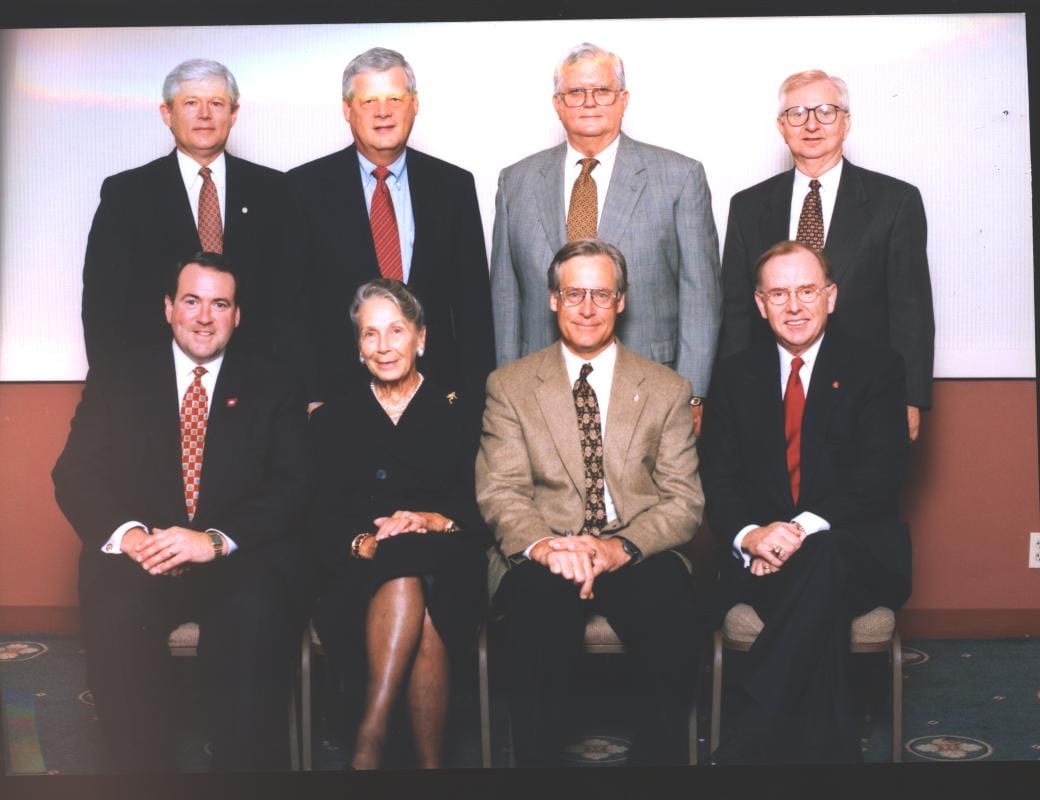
(452, 397)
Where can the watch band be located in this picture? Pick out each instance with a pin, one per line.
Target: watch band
(634, 552)
(217, 541)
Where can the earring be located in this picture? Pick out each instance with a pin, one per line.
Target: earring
(361, 359)
(421, 351)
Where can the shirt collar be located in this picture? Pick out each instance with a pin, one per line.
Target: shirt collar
(828, 181)
(190, 168)
(396, 167)
(602, 364)
(605, 157)
(808, 357)
(183, 365)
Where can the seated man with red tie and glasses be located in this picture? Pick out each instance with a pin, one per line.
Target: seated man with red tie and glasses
(587, 477)
(186, 475)
(803, 456)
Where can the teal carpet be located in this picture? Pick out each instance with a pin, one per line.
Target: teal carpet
(964, 700)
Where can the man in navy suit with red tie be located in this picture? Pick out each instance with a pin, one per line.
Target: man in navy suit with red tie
(802, 458)
(186, 474)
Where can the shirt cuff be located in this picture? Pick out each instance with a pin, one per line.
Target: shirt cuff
(229, 543)
(811, 523)
(115, 542)
(738, 540)
(530, 547)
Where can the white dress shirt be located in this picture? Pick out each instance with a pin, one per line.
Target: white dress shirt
(601, 175)
(193, 184)
(812, 523)
(184, 369)
(828, 194)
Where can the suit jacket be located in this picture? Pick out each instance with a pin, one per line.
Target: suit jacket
(143, 226)
(657, 212)
(876, 249)
(530, 474)
(853, 458)
(122, 460)
(449, 272)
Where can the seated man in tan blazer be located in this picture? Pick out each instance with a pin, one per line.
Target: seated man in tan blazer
(587, 475)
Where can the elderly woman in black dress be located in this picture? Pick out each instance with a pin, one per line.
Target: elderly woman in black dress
(396, 527)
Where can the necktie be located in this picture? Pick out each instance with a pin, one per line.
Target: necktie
(211, 231)
(193, 438)
(584, 210)
(810, 223)
(589, 434)
(384, 228)
(794, 405)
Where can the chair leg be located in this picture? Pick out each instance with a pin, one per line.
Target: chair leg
(305, 699)
(693, 734)
(294, 733)
(485, 700)
(897, 697)
(716, 694)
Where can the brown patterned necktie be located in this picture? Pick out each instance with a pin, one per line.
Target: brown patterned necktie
(193, 438)
(590, 436)
(583, 214)
(211, 231)
(810, 223)
(384, 228)
(794, 406)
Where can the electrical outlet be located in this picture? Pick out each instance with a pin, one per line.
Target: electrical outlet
(1034, 550)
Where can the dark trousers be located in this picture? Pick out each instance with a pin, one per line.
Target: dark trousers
(652, 609)
(792, 699)
(250, 623)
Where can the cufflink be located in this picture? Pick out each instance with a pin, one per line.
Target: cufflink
(108, 547)
(245, 209)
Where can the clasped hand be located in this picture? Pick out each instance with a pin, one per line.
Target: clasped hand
(167, 549)
(409, 522)
(770, 546)
(580, 559)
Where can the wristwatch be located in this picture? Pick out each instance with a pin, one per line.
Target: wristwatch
(218, 543)
(634, 552)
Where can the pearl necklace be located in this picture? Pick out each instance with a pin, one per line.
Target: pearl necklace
(395, 410)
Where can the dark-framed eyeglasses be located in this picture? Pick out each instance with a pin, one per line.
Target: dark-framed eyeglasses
(805, 294)
(573, 296)
(825, 114)
(575, 98)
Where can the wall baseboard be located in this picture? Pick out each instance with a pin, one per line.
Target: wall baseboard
(39, 619)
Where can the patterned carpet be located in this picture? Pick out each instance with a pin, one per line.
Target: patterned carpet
(964, 700)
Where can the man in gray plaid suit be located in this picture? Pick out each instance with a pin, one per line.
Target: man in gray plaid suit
(652, 203)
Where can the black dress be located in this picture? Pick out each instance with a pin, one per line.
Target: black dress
(367, 467)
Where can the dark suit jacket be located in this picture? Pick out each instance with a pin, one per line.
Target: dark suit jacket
(144, 226)
(854, 449)
(122, 460)
(449, 272)
(876, 249)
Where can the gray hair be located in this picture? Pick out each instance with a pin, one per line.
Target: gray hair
(588, 52)
(375, 59)
(589, 247)
(197, 69)
(394, 291)
(800, 79)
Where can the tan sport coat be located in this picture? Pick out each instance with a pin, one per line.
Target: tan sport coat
(530, 475)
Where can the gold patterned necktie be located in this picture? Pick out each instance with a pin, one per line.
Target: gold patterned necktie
(384, 228)
(193, 438)
(211, 230)
(590, 436)
(583, 214)
(810, 223)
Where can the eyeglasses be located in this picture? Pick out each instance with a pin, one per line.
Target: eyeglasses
(805, 294)
(575, 98)
(825, 114)
(573, 296)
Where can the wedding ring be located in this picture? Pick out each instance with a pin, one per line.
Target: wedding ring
(778, 551)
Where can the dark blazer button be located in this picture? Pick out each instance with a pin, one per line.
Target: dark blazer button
(380, 474)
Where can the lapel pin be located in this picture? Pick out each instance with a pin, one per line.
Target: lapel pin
(836, 385)
(245, 209)
(452, 397)
(232, 402)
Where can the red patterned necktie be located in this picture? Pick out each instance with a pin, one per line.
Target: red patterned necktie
(810, 223)
(794, 405)
(583, 214)
(193, 438)
(384, 228)
(590, 436)
(211, 231)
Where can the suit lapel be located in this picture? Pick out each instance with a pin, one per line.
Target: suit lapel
(236, 197)
(345, 198)
(424, 199)
(629, 395)
(171, 203)
(767, 409)
(157, 412)
(556, 402)
(227, 412)
(824, 393)
(626, 185)
(849, 222)
(775, 223)
(550, 198)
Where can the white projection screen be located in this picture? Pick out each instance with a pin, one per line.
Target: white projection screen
(937, 100)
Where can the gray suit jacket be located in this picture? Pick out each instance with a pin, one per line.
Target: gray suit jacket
(657, 212)
(530, 476)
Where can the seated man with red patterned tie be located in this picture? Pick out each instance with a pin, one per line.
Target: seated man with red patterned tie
(190, 517)
(587, 476)
(803, 455)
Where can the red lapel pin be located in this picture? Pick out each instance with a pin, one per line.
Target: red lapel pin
(233, 401)
(836, 385)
